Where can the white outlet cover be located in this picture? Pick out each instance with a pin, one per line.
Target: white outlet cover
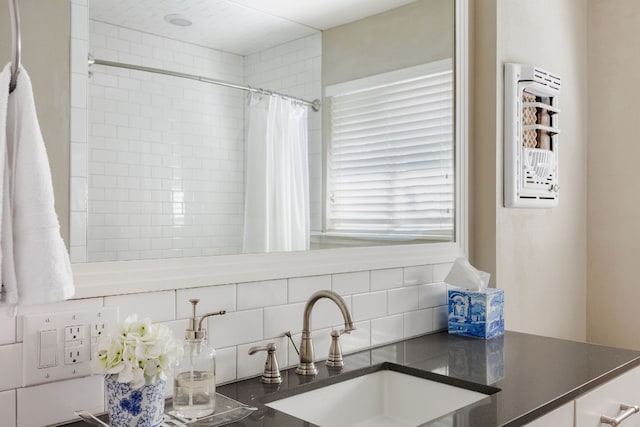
(84, 319)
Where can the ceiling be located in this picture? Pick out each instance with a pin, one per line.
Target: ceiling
(237, 26)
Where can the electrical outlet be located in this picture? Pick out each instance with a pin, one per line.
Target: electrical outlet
(98, 329)
(74, 333)
(57, 346)
(73, 355)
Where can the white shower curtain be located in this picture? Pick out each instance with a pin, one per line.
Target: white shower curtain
(276, 211)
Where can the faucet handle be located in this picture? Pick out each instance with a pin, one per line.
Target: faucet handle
(271, 374)
(335, 352)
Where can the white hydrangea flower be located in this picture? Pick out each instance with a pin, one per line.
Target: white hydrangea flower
(138, 352)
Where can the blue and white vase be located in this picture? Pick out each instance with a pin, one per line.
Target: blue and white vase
(128, 407)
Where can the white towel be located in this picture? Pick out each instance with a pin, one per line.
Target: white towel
(35, 262)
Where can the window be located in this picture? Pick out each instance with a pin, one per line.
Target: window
(390, 157)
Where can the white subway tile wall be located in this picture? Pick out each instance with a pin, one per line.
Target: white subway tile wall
(262, 294)
(12, 378)
(302, 288)
(350, 283)
(380, 317)
(165, 155)
(8, 408)
(369, 306)
(418, 275)
(7, 328)
(55, 402)
(212, 298)
(386, 279)
(403, 299)
(157, 306)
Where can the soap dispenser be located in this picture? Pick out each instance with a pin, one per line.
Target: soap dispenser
(194, 392)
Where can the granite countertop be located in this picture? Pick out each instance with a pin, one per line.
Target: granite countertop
(535, 375)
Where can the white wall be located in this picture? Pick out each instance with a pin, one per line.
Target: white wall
(613, 204)
(538, 256)
(46, 59)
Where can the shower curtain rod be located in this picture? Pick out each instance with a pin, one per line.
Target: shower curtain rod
(315, 104)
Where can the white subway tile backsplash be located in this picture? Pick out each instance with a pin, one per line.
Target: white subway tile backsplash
(440, 271)
(432, 295)
(418, 322)
(212, 298)
(55, 402)
(158, 306)
(357, 340)
(386, 279)
(261, 294)
(166, 111)
(282, 318)
(418, 275)
(235, 328)
(369, 305)
(301, 288)
(8, 408)
(11, 363)
(7, 328)
(440, 318)
(402, 300)
(226, 364)
(387, 329)
(350, 283)
(252, 365)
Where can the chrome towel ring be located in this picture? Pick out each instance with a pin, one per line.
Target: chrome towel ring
(16, 46)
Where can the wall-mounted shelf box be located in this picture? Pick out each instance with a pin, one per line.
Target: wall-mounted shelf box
(531, 137)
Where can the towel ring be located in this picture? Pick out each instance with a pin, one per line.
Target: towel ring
(15, 49)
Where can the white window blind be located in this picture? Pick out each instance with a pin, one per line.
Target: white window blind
(390, 160)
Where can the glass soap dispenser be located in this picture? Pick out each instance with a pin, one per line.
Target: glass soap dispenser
(194, 392)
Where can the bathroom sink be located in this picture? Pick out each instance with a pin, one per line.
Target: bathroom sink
(384, 397)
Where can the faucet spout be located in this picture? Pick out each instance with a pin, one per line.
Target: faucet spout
(306, 365)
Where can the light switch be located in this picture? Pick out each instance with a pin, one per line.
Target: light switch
(48, 348)
(56, 345)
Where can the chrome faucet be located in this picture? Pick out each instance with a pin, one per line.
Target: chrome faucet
(306, 365)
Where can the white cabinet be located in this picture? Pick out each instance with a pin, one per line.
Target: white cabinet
(561, 417)
(606, 399)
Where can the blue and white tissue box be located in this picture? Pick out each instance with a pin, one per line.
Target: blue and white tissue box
(477, 314)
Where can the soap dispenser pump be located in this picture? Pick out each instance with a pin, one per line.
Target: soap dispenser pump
(194, 393)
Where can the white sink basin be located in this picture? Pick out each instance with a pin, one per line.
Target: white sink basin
(383, 398)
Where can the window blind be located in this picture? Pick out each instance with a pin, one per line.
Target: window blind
(390, 160)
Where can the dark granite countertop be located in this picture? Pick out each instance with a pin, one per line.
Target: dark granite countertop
(535, 375)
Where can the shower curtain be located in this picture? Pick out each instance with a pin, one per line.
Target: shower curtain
(276, 209)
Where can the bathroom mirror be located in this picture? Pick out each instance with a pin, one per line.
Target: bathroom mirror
(326, 59)
(167, 157)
